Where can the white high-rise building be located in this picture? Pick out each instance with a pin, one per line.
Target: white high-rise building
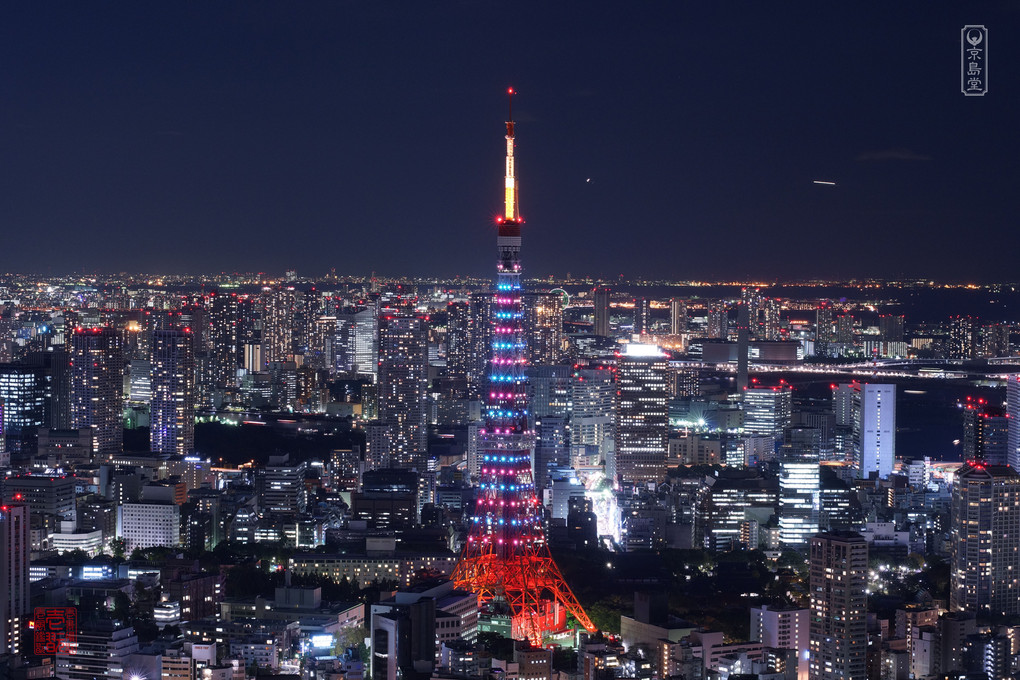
(874, 408)
(783, 628)
(150, 525)
(799, 496)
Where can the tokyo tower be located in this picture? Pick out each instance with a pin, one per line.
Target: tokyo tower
(506, 558)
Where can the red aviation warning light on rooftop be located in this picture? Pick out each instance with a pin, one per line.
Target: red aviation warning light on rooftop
(506, 560)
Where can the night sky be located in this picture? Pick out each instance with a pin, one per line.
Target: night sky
(241, 136)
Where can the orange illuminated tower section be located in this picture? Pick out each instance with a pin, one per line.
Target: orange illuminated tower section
(506, 559)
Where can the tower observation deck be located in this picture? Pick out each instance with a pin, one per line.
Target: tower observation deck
(506, 559)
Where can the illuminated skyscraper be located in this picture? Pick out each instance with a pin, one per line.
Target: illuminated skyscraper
(172, 411)
(642, 316)
(25, 393)
(767, 410)
(1013, 415)
(677, 316)
(593, 416)
(481, 345)
(458, 341)
(962, 337)
(97, 386)
(771, 320)
(874, 422)
(838, 566)
(642, 415)
(799, 499)
(824, 335)
(403, 386)
(985, 433)
(279, 306)
(718, 322)
(224, 320)
(995, 340)
(15, 549)
(544, 321)
(985, 540)
(356, 348)
(752, 298)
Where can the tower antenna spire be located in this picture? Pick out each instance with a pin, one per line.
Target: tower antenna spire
(510, 195)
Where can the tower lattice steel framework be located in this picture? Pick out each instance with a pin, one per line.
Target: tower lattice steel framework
(506, 557)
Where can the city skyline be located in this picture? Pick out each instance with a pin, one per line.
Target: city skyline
(278, 139)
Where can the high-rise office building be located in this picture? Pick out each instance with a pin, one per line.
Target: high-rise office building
(356, 347)
(97, 387)
(25, 393)
(593, 415)
(549, 390)
(15, 548)
(543, 319)
(838, 637)
(601, 296)
(172, 411)
(321, 341)
(50, 496)
(985, 540)
(403, 383)
(767, 410)
(102, 649)
(799, 497)
(552, 446)
(642, 414)
(150, 525)
(642, 316)
(677, 316)
(874, 423)
(985, 432)
(281, 486)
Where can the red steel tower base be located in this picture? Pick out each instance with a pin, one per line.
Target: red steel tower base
(506, 558)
